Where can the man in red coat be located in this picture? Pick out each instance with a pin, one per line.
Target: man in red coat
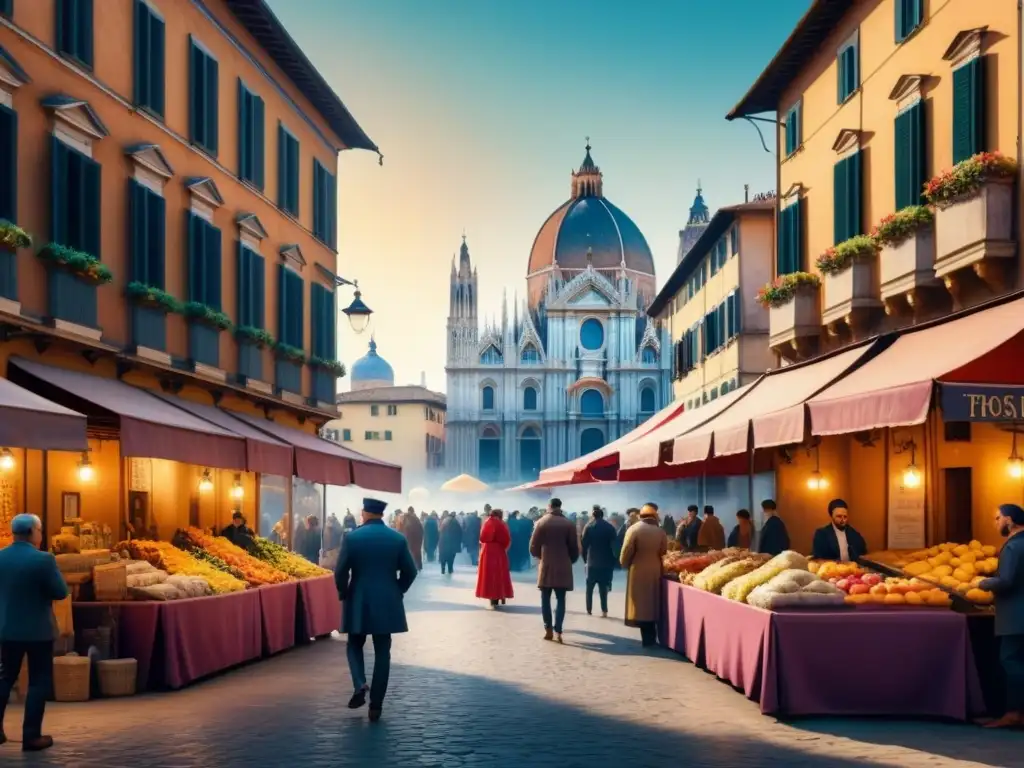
(493, 579)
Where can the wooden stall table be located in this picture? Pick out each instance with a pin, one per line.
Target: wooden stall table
(320, 609)
(278, 611)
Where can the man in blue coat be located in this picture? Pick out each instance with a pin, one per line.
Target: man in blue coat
(29, 583)
(838, 540)
(1008, 587)
(599, 555)
(375, 570)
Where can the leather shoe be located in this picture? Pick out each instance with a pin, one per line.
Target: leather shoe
(375, 713)
(358, 699)
(38, 744)
(548, 634)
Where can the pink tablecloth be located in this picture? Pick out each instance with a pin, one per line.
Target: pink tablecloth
(852, 662)
(320, 611)
(278, 604)
(137, 627)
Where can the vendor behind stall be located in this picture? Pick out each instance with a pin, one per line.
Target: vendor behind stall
(238, 533)
(838, 540)
(1008, 588)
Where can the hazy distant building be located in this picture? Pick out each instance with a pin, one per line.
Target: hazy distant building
(699, 219)
(575, 365)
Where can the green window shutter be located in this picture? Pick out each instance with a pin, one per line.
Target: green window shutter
(282, 168)
(736, 239)
(901, 152)
(259, 291)
(968, 110)
(157, 221)
(242, 284)
(244, 134)
(910, 165)
(195, 93)
(9, 170)
(7, 8)
(212, 268)
(213, 119)
(258, 118)
(282, 304)
(91, 206)
(138, 213)
(59, 161)
(317, 210)
(315, 317)
(156, 64)
(332, 218)
(84, 32)
(297, 318)
(840, 202)
(141, 53)
(196, 244)
(293, 175)
(841, 92)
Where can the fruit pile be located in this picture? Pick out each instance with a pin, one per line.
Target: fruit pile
(287, 562)
(830, 569)
(689, 562)
(175, 561)
(871, 589)
(960, 567)
(256, 572)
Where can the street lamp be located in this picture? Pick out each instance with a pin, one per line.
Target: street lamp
(357, 312)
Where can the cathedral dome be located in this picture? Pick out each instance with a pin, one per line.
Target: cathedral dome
(372, 370)
(589, 222)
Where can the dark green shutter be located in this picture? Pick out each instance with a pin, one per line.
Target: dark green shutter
(212, 118)
(840, 202)
(736, 239)
(259, 281)
(258, 118)
(196, 249)
(282, 169)
(195, 94)
(91, 206)
(58, 191)
(244, 171)
(293, 174)
(298, 288)
(243, 285)
(315, 301)
(212, 267)
(9, 169)
(141, 52)
(332, 214)
(968, 110)
(83, 32)
(318, 210)
(156, 64)
(137, 215)
(910, 159)
(282, 303)
(6, 8)
(157, 240)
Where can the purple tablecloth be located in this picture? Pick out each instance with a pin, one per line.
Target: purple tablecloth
(852, 662)
(320, 611)
(278, 604)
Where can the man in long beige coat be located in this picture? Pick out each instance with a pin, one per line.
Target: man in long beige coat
(556, 543)
(642, 551)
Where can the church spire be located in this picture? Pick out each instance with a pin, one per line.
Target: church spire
(699, 213)
(588, 181)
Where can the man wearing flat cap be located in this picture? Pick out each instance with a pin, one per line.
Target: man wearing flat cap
(375, 569)
(838, 540)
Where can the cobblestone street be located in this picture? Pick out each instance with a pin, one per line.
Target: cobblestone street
(473, 687)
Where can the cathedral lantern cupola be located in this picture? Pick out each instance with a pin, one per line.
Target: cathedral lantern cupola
(587, 181)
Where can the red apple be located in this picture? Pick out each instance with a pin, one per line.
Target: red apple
(871, 579)
(843, 584)
(859, 589)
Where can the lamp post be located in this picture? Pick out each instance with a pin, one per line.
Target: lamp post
(357, 312)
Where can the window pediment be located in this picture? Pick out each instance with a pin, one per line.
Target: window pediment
(76, 114)
(847, 142)
(204, 190)
(292, 256)
(249, 224)
(966, 45)
(151, 158)
(792, 194)
(907, 89)
(326, 276)
(11, 74)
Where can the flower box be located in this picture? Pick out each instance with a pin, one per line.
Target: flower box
(203, 344)
(976, 228)
(908, 265)
(796, 319)
(849, 290)
(149, 328)
(287, 376)
(72, 300)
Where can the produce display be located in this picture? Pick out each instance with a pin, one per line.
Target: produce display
(167, 557)
(958, 567)
(795, 588)
(287, 562)
(255, 572)
(690, 562)
(713, 579)
(741, 588)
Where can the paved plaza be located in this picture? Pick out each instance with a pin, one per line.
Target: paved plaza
(474, 687)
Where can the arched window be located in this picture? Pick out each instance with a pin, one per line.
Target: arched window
(530, 399)
(724, 389)
(491, 356)
(591, 334)
(490, 454)
(590, 440)
(592, 403)
(530, 355)
(648, 355)
(647, 400)
(487, 398)
(529, 453)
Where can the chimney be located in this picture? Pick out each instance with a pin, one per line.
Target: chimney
(746, 193)
(423, 379)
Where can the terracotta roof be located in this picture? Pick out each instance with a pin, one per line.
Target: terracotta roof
(412, 393)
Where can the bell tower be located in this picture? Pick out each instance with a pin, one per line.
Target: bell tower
(462, 307)
(588, 181)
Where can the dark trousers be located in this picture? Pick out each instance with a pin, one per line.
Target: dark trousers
(1011, 656)
(648, 632)
(431, 554)
(474, 554)
(381, 666)
(545, 608)
(447, 561)
(40, 681)
(602, 588)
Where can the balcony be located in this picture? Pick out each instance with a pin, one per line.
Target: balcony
(976, 233)
(851, 297)
(906, 269)
(794, 326)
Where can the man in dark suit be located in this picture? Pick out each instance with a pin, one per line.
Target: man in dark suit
(838, 540)
(774, 538)
(599, 555)
(1008, 587)
(29, 583)
(688, 528)
(375, 570)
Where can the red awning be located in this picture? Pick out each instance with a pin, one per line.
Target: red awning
(148, 426)
(263, 453)
(576, 471)
(775, 408)
(322, 461)
(30, 421)
(894, 389)
(645, 453)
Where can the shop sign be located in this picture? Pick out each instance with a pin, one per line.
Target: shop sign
(982, 402)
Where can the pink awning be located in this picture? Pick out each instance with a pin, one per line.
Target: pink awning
(262, 452)
(30, 421)
(645, 453)
(566, 474)
(322, 461)
(894, 389)
(775, 408)
(148, 426)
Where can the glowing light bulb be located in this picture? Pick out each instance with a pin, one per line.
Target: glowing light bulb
(206, 482)
(1016, 467)
(814, 481)
(237, 491)
(86, 472)
(912, 477)
(6, 460)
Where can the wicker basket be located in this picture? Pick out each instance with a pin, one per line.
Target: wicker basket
(110, 582)
(118, 677)
(71, 678)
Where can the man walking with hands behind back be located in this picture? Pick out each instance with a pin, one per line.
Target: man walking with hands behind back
(375, 570)
(29, 583)
(556, 543)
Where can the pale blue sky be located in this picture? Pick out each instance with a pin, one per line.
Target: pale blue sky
(481, 109)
